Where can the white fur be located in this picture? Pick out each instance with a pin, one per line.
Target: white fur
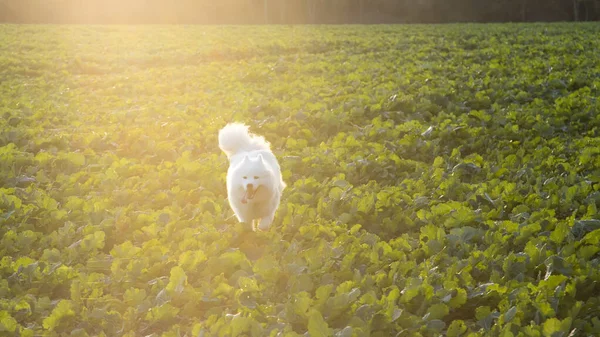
(251, 162)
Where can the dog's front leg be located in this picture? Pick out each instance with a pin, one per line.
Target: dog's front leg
(265, 223)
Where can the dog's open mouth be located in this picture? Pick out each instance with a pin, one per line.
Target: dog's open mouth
(249, 194)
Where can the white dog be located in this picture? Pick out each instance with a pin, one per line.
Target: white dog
(254, 183)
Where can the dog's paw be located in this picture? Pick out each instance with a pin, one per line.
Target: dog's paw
(265, 224)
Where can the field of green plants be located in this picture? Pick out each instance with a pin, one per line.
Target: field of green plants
(442, 181)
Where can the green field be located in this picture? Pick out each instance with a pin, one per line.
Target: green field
(442, 181)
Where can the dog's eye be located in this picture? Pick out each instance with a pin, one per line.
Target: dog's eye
(245, 177)
(255, 177)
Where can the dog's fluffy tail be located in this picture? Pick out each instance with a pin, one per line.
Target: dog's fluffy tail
(235, 138)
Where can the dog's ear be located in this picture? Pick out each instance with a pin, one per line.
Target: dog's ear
(246, 158)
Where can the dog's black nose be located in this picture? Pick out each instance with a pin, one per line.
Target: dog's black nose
(250, 186)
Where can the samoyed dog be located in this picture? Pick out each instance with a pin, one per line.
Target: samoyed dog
(254, 183)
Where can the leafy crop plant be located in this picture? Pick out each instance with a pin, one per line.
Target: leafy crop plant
(443, 180)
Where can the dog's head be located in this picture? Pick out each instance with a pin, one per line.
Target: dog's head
(255, 178)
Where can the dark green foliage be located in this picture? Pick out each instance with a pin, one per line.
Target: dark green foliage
(443, 180)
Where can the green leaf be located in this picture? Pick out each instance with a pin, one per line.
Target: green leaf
(586, 252)
(76, 158)
(459, 299)
(246, 299)
(164, 218)
(301, 303)
(345, 332)
(552, 328)
(456, 328)
(317, 327)
(23, 306)
(7, 322)
(177, 281)
(161, 313)
(437, 311)
(556, 263)
(544, 308)
(582, 227)
(553, 281)
(510, 314)
(240, 324)
(506, 332)
(134, 297)
(79, 332)
(63, 310)
(93, 241)
(264, 267)
(248, 284)
(411, 290)
(323, 293)
(436, 325)
(592, 238)
(560, 232)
